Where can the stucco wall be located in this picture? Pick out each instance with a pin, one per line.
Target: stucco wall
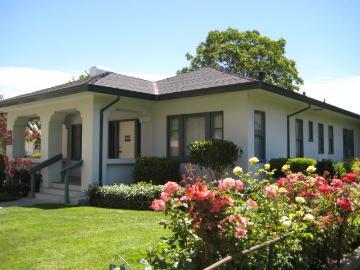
(238, 110)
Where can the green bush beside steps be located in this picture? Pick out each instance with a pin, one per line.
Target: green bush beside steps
(120, 196)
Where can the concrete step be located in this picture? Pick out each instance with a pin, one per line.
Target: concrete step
(60, 192)
(61, 186)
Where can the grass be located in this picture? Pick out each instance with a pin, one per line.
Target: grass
(5, 197)
(59, 237)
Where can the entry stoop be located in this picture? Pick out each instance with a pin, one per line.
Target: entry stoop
(55, 194)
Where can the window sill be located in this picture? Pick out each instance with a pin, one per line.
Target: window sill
(121, 161)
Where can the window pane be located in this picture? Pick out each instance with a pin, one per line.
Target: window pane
(218, 121)
(194, 130)
(174, 137)
(259, 135)
(217, 134)
(311, 131)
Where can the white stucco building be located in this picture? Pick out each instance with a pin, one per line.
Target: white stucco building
(109, 119)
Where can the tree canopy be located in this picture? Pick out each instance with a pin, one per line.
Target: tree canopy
(246, 53)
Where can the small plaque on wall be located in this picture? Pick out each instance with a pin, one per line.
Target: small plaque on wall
(127, 138)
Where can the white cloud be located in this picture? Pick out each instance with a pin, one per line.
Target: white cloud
(341, 92)
(18, 80)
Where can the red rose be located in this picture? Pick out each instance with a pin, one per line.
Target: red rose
(344, 204)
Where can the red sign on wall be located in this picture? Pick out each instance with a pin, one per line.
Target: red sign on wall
(9, 137)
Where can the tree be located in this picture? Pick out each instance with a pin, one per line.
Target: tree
(246, 53)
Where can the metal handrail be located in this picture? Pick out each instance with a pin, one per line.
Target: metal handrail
(65, 172)
(46, 163)
(230, 258)
(41, 166)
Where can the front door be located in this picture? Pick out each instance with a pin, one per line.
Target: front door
(76, 141)
(127, 139)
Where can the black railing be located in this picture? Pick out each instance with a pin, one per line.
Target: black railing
(270, 243)
(41, 166)
(65, 173)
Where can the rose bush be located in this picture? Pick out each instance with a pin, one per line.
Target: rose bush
(209, 221)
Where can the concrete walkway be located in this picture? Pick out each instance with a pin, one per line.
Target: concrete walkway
(25, 202)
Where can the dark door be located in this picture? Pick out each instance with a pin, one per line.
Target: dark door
(76, 141)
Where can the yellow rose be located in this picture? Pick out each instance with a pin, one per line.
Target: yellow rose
(309, 217)
(311, 169)
(300, 200)
(282, 190)
(238, 171)
(267, 166)
(253, 160)
(285, 168)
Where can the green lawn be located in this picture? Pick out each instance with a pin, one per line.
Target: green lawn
(58, 237)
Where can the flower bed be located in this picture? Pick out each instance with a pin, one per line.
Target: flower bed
(211, 220)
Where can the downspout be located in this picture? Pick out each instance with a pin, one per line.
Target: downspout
(288, 126)
(101, 137)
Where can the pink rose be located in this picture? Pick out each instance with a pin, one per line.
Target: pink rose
(171, 188)
(158, 205)
(337, 183)
(227, 184)
(252, 203)
(239, 185)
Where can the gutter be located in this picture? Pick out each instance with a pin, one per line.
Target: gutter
(101, 137)
(288, 126)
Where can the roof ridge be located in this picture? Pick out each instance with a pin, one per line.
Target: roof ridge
(232, 73)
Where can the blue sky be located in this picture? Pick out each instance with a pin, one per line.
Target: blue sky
(152, 37)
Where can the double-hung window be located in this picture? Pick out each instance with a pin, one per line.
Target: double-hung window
(186, 128)
(259, 135)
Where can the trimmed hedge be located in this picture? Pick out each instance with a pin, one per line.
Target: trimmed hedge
(300, 164)
(296, 165)
(157, 170)
(120, 196)
(277, 163)
(214, 154)
(325, 165)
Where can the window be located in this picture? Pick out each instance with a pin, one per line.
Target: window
(299, 136)
(348, 143)
(331, 139)
(311, 131)
(259, 135)
(321, 138)
(124, 139)
(76, 139)
(184, 129)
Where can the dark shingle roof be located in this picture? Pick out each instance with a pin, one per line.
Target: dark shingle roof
(199, 82)
(198, 79)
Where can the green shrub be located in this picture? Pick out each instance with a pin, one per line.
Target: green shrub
(300, 164)
(339, 169)
(120, 196)
(277, 163)
(355, 166)
(157, 170)
(214, 154)
(325, 165)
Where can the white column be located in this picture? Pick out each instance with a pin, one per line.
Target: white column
(90, 145)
